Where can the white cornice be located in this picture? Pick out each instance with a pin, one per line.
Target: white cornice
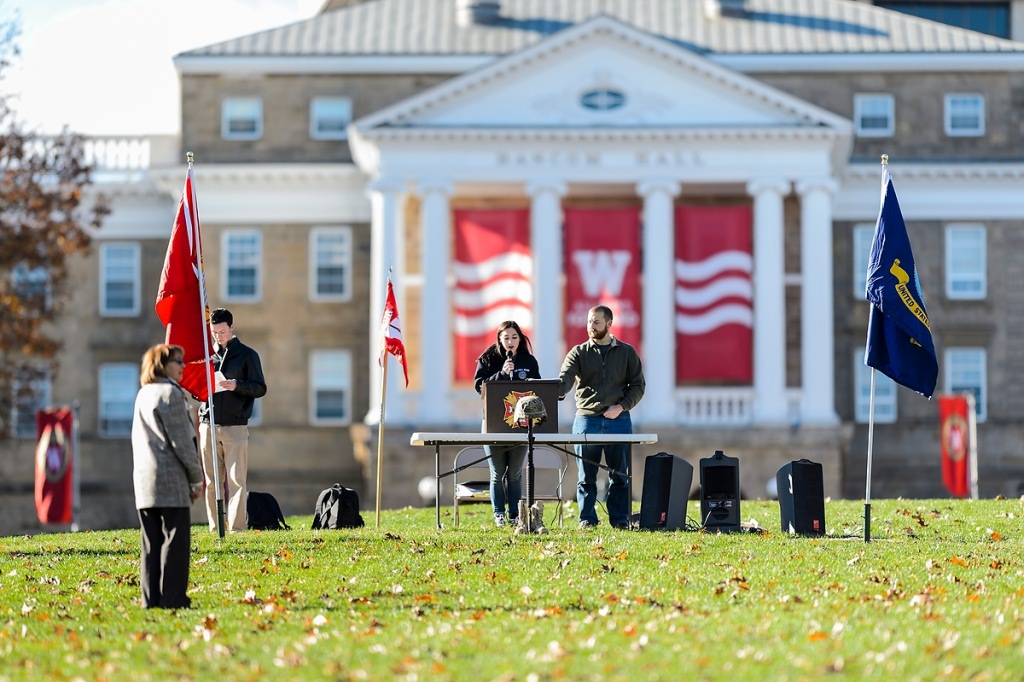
(599, 134)
(956, 62)
(371, 64)
(284, 175)
(745, 63)
(936, 191)
(937, 171)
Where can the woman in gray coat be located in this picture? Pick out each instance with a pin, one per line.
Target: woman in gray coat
(168, 477)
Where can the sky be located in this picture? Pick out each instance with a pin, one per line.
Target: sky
(104, 67)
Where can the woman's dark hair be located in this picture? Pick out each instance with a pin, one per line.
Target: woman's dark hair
(498, 351)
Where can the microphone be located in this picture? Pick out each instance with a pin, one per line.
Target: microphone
(508, 358)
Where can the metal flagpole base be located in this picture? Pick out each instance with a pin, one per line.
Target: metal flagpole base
(867, 522)
(220, 517)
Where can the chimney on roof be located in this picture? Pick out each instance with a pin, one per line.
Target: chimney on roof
(714, 9)
(469, 12)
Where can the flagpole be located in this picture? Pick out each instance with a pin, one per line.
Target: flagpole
(76, 476)
(972, 452)
(871, 445)
(380, 427)
(203, 311)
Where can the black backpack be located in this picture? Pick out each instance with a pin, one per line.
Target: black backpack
(337, 507)
(264, 512)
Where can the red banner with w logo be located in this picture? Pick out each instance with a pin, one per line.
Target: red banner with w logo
(602, 267)
(956, 444)
(55, 462)
(714, 295)
(493, 280)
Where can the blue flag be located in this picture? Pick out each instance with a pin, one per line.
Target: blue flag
(899, 337)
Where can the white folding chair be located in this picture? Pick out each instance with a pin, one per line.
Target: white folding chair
(549, 470)
(549, 466)
(477, 489)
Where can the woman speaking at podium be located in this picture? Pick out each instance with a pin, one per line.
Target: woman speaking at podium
(508, 358)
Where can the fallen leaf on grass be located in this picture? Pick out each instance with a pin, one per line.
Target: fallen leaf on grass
(958, 561)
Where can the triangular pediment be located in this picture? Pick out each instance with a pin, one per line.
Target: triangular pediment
(602, 74)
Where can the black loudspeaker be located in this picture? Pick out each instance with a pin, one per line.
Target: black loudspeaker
(667, 480)
(801, 497)
(720, 492)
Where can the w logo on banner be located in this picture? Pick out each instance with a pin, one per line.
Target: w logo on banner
(714, 295)
(493, 280)
(602, 272)
(602, 267)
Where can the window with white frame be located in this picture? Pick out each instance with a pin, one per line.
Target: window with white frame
(966, 264)
(965, 372)
(32, 285)
(241, 118)
(119, 383)
(885, 393)
(965, 115)
(874, 114)
(32, 391)
(330, 382)
(329, 118)
(330, 266)
(120, 276)
(862, 236)
(242, 265)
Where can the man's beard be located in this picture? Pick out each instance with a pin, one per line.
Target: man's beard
(598, 335)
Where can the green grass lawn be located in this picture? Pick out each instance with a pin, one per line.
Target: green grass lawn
(938, 594)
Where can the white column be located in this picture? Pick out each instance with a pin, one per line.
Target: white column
(658, 330)
(385, 239)
(769, 301)
(546, 243)
(435, 309)
(817, 369)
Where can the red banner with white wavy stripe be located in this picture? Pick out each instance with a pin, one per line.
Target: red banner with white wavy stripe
(602, 266)
(714, 295)
(493, 280)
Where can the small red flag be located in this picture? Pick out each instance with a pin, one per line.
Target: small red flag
(54, 466)
(956, 444)
(180, 300)
(391, 333)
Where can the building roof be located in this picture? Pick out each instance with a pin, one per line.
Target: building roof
(409, 28)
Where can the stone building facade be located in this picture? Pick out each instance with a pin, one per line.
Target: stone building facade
(473, 111)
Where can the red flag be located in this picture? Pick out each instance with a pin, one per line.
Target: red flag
(956, 445)
(180, 300)
(54, 466)
(391, 333)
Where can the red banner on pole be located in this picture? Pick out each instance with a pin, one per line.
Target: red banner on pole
(55, 461)
(602, 267)
(493, 280)
(714, 295)
(956, 444)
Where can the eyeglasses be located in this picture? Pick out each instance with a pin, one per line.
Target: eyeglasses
(180, 361)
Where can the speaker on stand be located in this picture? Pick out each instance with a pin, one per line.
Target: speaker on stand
(720, 492)
(667, 480)
(801, 497)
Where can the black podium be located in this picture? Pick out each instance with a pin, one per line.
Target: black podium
(500, 398)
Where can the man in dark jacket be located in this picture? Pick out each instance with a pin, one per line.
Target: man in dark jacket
(239, 381)
(611, 383)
